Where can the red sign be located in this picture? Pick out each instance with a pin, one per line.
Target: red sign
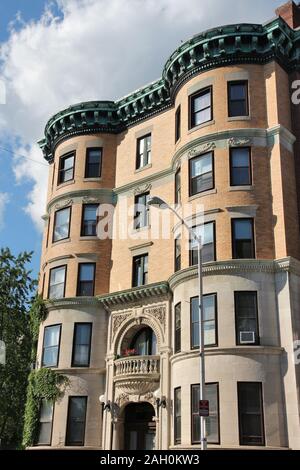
(204, 408)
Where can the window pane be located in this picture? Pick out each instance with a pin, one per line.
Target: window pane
(141, 211)
(207, 233)
(237, 92)
(81, 355)
(202, 102)
(87, 272)
(93, 163)
(243, 229)
(240, 157)
(140, 269)
(51, 337)
(212, 422)
(82, 344)
(46, 411)
(68, 163)
(202, 116)
(51, 346)
(246, 317)
(57, 283)
(201, 165)
(89, 226)
(177, 415)
(250, 413)
(209, 321)
(94, 155)
(209, 307)
(45, 434)
(240, 176)
(76, 421)
(143, 151)
(62, 221)
(177, 328)
(46, 416)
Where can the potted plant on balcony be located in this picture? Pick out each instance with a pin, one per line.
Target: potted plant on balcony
(129, 352)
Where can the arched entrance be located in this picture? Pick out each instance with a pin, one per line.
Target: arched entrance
(139, 427)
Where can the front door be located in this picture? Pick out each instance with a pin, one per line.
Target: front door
(139, 427)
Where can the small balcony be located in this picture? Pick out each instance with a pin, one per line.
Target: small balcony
(137, 375)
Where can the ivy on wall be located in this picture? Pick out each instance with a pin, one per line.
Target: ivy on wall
(42, 383)
(38, 314)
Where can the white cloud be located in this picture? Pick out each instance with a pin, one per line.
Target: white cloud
(4, 200)
(96, 49)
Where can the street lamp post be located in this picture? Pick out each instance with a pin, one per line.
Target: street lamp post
(159, 203)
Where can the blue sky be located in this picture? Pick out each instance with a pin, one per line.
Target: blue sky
(58, 52)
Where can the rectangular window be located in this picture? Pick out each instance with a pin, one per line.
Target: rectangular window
(51, 343)
(243, 239)
(93, 162)
(207, 234)
(86, 279)
(209, 321)
(177, 254)
(251, 419)
(201, 171)
(61, 229)
(238, 99)
(177, 124)
(240, 166)
(76, 421)
(177, 415)
(66, 168)
(246, 318)
(45, 426)
(143, 154)
(141, 211)
(200, 105)
(140, 270)
(82, 344)
(178, 186)
(177, 322)
(89, 220)
(212, 422)
(57, 282)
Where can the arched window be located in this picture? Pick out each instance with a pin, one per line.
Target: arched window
(144, 343)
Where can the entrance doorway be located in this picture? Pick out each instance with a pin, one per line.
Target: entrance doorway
(139, 428)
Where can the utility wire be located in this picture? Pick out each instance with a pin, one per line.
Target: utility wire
(23, 156)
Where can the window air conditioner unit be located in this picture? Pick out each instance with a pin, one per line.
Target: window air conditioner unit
(247, 337)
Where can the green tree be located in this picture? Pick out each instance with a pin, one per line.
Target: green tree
(16, 291)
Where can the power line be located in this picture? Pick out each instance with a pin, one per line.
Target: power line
(23, 156)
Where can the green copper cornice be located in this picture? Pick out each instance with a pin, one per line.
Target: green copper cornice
(218, 47)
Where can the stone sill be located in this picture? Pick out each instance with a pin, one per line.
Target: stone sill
(146, 167)
(201, 126)
(241, 188)
(239, 118)
(92, 180)
(205, 193)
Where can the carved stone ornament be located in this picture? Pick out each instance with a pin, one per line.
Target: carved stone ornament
(63, 204)
(118, 320)
(90, 200)
(122, 399)
(238, 142)
(141, 386)
(202, 149)
(142, 189)
(157, 312)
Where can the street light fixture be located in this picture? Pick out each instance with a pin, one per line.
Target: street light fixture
(161, 204)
